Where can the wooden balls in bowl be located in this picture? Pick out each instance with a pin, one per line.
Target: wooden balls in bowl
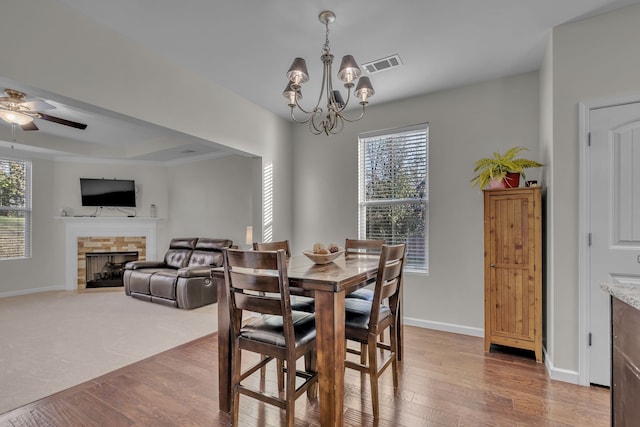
(323, 258)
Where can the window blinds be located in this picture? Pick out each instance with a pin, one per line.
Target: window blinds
(393, 190)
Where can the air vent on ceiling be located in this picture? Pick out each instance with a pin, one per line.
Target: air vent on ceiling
(188, 151)
(383, 64)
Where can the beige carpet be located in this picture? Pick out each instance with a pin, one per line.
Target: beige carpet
(54, 340)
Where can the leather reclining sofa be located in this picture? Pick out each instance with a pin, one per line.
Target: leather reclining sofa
(183, 279)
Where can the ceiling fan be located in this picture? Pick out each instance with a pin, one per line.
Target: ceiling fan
(16, 110)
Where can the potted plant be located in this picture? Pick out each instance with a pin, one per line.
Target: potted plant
(502, 170)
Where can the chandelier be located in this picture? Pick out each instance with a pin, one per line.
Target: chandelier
(332, 120)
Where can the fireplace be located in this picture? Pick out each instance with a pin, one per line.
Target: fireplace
(105, 269)
(102, 246)
(104, 234)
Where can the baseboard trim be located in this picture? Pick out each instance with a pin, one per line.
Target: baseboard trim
(31, 291)
(445, 327)
(559, 374)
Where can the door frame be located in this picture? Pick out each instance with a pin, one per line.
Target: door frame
(584, 189)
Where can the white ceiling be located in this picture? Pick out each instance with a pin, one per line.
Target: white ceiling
(247, 46)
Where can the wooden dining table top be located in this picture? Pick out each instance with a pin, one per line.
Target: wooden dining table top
(338, 275)
(344, 273)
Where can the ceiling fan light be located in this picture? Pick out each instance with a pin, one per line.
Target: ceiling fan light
(15, 117)
(349, 70)
(364, 89)
(298, 73)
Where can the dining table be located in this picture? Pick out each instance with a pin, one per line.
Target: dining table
(328, 283)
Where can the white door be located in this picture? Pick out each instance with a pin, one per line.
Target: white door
(614, 213)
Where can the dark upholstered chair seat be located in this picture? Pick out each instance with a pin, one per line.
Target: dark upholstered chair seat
(300, 303)
(362, 293)
(270, 329)
(358, 313)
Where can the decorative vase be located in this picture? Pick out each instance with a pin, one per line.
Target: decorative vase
(496, 183)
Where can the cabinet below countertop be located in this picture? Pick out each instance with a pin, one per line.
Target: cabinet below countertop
(625, 354)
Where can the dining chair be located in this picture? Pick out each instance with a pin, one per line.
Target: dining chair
(365, 321)
(358, 247)
(354, 247)
(257, 282)
(298, 302)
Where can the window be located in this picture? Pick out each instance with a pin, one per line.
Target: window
(15, 209)
(393, 190)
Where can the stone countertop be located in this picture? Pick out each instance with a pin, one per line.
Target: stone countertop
(624, 292)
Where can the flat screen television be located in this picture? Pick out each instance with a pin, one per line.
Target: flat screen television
(108, 192)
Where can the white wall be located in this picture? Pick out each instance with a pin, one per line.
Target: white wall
(212, 198)
(45, 267)
(101, 68)
(465, 124)
(591, 59)
(151, 184)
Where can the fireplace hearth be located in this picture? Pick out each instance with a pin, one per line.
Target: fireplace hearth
(105, 269)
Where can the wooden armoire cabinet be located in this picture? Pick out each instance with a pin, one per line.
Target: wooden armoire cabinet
(513, 268)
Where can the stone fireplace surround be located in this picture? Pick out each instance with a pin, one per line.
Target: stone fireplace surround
(118, 229)
(107, 245)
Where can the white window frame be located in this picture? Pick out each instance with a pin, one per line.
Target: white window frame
(417, 259)
(26, 208)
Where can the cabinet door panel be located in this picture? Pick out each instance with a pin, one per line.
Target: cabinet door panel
(512, 301)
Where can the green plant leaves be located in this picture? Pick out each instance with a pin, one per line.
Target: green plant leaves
(499, 165)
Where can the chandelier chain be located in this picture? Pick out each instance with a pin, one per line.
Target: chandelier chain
(326, 50)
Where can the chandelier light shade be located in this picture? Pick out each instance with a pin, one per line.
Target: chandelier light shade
(15, 117)
(349, 70)
(331, 120)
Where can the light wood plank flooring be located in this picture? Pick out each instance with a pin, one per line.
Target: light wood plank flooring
(446, 380)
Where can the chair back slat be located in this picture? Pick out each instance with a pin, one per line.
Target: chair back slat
(363, 247)
(389, 288)
(273, 246)
(258, 303)
(388, 281)
(252, 280)
(253, 259)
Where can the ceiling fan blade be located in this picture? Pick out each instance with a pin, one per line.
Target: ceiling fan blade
(29, 126)
(62, 121)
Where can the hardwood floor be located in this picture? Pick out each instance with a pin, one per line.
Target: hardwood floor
(445, 380)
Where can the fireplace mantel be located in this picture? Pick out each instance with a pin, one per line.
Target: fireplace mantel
(76, 227)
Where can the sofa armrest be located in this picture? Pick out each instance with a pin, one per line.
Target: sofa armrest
(136, 265)
(195, 271)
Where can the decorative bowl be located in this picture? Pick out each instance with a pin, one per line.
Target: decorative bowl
(323, 258)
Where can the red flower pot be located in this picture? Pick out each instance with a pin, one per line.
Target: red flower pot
(512, 180)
